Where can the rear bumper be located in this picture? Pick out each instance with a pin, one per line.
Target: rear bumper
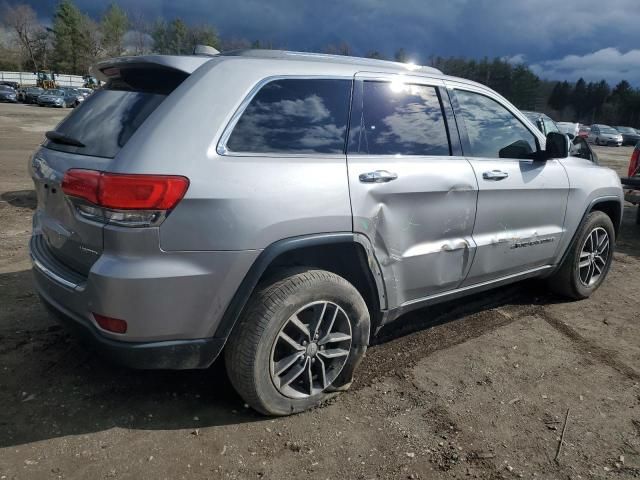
(172, 303)
(173, 355)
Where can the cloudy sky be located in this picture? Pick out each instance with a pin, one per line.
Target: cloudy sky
(559, 39)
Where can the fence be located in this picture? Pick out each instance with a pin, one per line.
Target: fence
(29, 78)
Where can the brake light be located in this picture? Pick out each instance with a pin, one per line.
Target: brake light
(114, 325)
(634, 166)
(125, 192)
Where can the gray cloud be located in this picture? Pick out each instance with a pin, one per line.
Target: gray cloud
(540, 31)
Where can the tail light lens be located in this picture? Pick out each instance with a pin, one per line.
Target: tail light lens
(634, 163)
(133, 200)
(110, 324)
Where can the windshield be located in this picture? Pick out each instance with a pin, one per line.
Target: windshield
(609, 130)
(34, 90)
(550, 125)
(58, 93)
(625, 130)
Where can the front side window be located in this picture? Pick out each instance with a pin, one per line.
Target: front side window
(493, 131)
(294, 116)
(397, 118)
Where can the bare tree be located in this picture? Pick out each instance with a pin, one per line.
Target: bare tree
(139, 33)
(22, 19)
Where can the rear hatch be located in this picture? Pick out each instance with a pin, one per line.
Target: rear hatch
(90, 138)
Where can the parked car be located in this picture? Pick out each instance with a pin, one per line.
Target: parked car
(605, 135)
(60, 98)
(14, 85)
(631, 183)
(322, 198)
(85, 92)
(8, 94)
(543, 121)
(31, 94)
(569, 128)
(584, 131)
(630, 136)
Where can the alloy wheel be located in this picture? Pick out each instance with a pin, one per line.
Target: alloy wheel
(593, 256)
(310, 350)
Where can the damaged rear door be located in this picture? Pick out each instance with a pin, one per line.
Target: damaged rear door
(413, 194)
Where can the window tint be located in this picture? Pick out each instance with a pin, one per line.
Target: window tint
(108, 118)
(295, 116)
(396, 118)
(105, 121)
(494, 132)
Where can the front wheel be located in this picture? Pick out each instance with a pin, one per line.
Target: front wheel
(587, 263)
(298, 342)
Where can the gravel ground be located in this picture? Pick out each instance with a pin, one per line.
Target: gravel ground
(479, 388)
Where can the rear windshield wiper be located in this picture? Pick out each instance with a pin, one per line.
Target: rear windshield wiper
(57, 137)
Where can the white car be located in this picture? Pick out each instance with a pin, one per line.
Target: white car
(569, 128)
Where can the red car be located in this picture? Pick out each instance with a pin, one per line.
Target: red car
(584, 131)
(631, 184)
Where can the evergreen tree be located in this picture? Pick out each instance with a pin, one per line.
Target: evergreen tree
(113, 26)
(71, 44)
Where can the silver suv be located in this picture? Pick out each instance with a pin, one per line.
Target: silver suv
(282, 207)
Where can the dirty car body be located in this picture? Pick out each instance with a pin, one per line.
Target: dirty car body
(382, 173)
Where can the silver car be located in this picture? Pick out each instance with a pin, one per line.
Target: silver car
(605, 135)
(280, 208)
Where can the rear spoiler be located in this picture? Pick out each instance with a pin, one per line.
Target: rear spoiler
(185, 64)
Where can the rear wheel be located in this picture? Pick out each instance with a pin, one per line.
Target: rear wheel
(298, 342)
(587, 263)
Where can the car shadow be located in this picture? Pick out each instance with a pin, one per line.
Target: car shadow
(21, 198)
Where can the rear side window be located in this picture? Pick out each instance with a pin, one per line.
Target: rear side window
(494, 132)
(393, 118)
(106, 120)
(294, 116)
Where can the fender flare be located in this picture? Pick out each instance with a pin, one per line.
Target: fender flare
(269, 254)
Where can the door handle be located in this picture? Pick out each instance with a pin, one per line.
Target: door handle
(379, 176)
(495, 175)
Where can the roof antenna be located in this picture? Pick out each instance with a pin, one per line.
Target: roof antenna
(205, 50)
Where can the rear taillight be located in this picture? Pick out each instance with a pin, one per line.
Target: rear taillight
(132, 200)
(634, 163)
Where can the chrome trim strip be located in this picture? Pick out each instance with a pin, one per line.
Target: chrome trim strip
(52, 275)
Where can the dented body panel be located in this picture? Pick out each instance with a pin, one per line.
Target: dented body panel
(422, 236)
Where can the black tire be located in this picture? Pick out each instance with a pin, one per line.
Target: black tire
(567, 280)
(251, 345)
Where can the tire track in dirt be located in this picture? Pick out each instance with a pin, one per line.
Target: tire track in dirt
(587, 347)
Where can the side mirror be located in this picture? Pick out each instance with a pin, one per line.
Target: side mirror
(557, 146)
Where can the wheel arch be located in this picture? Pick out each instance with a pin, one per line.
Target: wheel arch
(611, 206)
(346, 254)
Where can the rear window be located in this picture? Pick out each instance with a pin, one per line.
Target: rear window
(398, 119)
(106, 120)
(294, 116)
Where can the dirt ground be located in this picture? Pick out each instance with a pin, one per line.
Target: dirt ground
(480, 388)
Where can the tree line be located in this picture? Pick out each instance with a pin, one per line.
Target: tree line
(75, 41)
